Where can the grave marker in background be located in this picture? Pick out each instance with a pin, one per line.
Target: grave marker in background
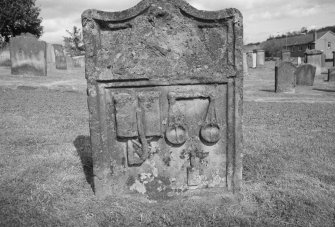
(331, 74)
(28, 55)
(305, 75)
(260, 58)
(286, 55)
(165, 98)
(60, 56)
(314, 57)
(285, 77)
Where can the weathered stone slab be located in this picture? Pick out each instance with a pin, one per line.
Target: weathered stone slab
(249, 59)
(165, 98)
(286, 55)
(305, 75)
(254, 60)
(314, 57)
(285, 77)
(50, 54)
(245, 65)
(60, 56)
(331, 74)
(69, 62)
(260, 58)
(79, 61)
(28, 56)
(5, 56)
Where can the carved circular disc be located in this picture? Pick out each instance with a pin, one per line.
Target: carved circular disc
(176, 134)
(210, 133)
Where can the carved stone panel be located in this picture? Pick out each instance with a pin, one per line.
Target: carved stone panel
(165, 98)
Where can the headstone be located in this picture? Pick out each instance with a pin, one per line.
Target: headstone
(5, 56)
(245, 65)
(79, 61)
(69, 62)
(254, 60)
(299, 61)
(286, 55)
(314, 57)
(260, 58)
(165, 98)
(331, 74)
(305, 75)
(60, 56)
(28, 56)
(334, 58)
(50, 54)
(249, 59)
(284, 77)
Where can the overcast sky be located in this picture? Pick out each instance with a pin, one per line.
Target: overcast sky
(262, 18)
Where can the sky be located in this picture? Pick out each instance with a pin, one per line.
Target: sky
(261, 18)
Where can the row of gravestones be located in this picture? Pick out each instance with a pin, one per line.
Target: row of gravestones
(288, 76)
(29, 56)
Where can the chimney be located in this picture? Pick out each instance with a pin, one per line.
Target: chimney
(315, 36)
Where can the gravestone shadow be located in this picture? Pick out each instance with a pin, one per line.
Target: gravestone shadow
(324, 90)
(83, 147)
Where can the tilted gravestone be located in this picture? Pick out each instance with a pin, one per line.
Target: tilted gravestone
(305, 75)
(28, 56)
(285, 77)
(60, 57)
(331, 74)
(165, 98)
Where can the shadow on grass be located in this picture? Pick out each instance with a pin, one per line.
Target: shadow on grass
(83, 146)
(268, 90)
(325, 90)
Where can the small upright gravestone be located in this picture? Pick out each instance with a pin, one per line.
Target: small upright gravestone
(60, 57)
(28, 56)
(305, 75)
(286, 55)
(314, 57)
(331, 74)
(285, 77)
(165, 98)
(260, 58)
(249, 59)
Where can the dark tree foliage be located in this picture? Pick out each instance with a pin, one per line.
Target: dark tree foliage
(74, 44)
(19, 16)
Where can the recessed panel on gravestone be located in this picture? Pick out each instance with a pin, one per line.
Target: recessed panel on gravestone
(285, 77)
(28, 56)
(331, 74)
(165, 98)
(60, 57)
(305, 75)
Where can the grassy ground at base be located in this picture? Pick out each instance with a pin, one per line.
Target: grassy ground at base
(288, 169)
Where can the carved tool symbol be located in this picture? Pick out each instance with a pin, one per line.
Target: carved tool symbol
(210, 132)
(141, 133)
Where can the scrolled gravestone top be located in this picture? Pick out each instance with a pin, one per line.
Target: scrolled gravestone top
(169, 40)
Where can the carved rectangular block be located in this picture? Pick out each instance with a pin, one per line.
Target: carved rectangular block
(60, 58)
(165, 98)
(28, 56)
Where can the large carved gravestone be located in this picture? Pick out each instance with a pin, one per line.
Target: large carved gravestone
(60, 57)
(28, 56)
(305, 75)
(285, 77)
(165, 98)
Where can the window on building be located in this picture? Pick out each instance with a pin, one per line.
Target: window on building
(300, 48)
(329, 45)
(309, 46)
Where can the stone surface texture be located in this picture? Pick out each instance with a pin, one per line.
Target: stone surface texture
(260, 58)
(28, 56)
(285, 77)
(60, 57)
(331, 74)
(305, 75)
(245, 65)
(165, 99)
(5, 56)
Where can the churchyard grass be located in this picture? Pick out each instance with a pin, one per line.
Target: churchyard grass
(288, 166)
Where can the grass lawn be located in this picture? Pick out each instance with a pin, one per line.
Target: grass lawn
(288, 165)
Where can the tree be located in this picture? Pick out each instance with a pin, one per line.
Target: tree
(74, 44)
(19, 16)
